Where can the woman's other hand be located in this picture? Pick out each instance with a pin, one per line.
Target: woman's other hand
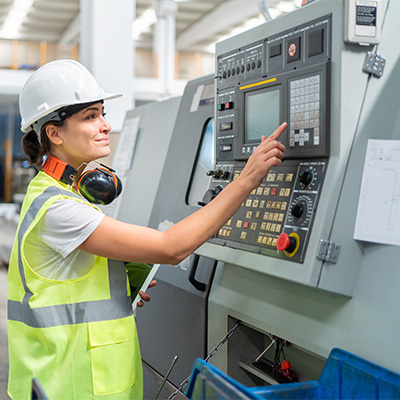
(144, 296)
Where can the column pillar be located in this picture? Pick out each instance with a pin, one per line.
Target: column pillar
(164, 42)
(107, 50)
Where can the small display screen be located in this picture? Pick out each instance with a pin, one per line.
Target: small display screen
(262, 114)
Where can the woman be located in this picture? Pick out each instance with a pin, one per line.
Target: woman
(71, 324)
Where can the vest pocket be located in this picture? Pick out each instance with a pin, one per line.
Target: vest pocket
(112, 354)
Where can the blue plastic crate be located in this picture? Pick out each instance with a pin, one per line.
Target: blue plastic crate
(345, 376)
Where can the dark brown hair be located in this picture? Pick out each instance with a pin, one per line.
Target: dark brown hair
(34, 150)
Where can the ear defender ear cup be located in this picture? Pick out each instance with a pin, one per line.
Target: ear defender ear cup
(100, 186)
(119, 185)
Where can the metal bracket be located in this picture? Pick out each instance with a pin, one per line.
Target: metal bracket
(328, 251)
(374, 64)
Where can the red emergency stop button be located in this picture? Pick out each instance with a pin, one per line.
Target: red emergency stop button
(286, 243)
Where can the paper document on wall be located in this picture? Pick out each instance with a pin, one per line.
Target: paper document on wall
(378, 214)
(123, 155)
(122, 160)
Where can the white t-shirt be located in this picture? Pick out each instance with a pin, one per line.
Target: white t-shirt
(65, 226)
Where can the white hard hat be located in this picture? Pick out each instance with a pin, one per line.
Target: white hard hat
(53, 86)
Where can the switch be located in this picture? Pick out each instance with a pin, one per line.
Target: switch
(275, 51)
(294, 49)
(225, 147)
(225, 126)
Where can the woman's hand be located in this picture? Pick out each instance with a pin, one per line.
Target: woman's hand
(268, 154)
(145, 297)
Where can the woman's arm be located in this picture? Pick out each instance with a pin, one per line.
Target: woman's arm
(127, 242)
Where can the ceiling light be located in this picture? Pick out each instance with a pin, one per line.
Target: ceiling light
(15, 18)
(143, 23)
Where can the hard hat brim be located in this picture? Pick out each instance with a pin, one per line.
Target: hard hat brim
(25, 126)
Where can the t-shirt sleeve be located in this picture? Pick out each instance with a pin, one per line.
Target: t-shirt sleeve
(68, 223)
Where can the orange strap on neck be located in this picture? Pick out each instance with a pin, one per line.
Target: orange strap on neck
(59, 170)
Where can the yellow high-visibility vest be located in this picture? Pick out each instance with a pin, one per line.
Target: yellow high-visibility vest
(77, 337)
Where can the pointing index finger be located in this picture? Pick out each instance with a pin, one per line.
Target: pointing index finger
(275, 135)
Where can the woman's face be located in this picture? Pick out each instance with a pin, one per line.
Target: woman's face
(84, 136)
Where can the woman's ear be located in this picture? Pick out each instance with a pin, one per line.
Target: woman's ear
(53, 134)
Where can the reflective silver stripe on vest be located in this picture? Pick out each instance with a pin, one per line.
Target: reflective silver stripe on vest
(118, 306)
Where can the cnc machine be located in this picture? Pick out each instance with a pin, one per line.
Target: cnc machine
(290, 270)
(287, 272)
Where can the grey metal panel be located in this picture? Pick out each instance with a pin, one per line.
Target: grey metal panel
(365, 324)
(155, 131)
(175, 321)
(181, 157)
(378, 119)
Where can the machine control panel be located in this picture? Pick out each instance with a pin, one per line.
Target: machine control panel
(285, 77)
(282, 207)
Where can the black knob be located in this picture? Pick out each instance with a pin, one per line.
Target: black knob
(306, 178)
(297, 210)
(218, 174)
(209, 195)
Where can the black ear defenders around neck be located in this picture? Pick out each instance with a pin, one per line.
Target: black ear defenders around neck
(99, 186)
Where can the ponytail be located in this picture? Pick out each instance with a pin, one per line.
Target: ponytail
(34, 150)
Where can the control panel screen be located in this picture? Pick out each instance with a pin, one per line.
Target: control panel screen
(262, 114)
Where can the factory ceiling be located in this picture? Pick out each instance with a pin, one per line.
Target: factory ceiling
(199, 24)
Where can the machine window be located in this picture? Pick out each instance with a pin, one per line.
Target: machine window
(204, 162)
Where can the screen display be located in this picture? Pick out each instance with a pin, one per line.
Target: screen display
(262, 114)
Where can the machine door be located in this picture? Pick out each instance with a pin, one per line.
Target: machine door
(174, 323)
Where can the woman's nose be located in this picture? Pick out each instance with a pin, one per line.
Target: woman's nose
(106, 125)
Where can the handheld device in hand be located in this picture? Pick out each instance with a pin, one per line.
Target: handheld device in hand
(140, 275)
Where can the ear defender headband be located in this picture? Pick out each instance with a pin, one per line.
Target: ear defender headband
(99, 185)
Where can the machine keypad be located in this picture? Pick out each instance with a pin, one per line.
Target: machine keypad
(260, 218)
(283, 203)
(304, 125)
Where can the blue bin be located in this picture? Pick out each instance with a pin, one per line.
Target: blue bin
(345, 376)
